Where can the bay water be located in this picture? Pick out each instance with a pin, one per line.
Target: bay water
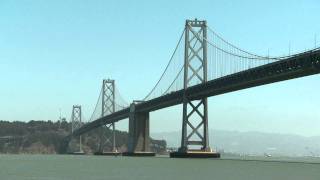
(86, 167)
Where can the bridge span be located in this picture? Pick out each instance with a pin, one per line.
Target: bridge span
(193, 85)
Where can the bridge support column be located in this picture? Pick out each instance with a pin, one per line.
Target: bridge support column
(108, 107)
(76, 123)
(138, 139)
(195, 111)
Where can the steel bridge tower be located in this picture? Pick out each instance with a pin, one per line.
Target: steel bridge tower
(195, 112)
(108, 106)
(76, 122)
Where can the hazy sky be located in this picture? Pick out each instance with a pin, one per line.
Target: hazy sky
(54, 54)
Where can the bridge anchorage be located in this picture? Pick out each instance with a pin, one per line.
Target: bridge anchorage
(195, 112)
(108, 107)
(76, 123)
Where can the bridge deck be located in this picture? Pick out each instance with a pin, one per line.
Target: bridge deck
(301, 65)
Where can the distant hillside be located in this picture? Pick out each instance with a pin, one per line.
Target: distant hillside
(255, 143)
(45, 137)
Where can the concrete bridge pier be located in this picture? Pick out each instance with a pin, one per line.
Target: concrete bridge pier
(139, 138)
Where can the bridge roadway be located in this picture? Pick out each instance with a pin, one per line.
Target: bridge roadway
(299, 65)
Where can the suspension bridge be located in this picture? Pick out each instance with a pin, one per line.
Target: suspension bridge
(202, 65)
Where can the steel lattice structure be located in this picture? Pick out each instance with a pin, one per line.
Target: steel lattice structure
(76, 122)
(108, 106)
(195, 68)
(76, 118)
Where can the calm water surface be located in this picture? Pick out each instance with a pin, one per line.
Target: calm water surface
(53, 167)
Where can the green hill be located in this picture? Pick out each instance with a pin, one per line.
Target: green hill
(45, 137)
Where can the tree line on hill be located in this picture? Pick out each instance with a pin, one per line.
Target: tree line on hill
(45, 137)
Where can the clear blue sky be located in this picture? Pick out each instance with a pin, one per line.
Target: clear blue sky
(54, 54)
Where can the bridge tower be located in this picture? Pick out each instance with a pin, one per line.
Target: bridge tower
(76, 122)
(195, 111)
(108, 107)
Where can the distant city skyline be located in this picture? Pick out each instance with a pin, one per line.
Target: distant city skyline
(54, 54)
